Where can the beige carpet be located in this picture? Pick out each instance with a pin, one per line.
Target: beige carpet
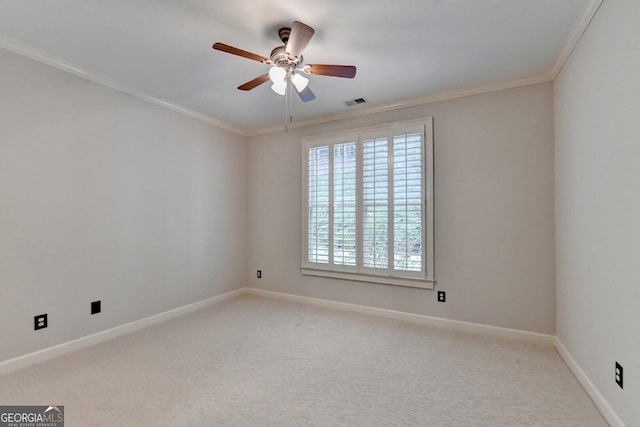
(254, 361)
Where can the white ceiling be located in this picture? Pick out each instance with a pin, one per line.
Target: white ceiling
(403, 49)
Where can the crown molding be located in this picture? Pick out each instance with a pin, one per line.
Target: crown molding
(406, 103)
(575, 36)
(52, 61)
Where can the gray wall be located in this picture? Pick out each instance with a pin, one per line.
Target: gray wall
(597, 104)
(494, 231)
(104, 196)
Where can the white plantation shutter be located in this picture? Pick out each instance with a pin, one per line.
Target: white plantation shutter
(408, 196)
(344, 204)
(375, 203)
(368, 205)
(318, 205)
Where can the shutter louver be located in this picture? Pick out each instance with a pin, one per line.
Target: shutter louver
(344, 204)
(375, 203)
(408, 176)
(318, 205)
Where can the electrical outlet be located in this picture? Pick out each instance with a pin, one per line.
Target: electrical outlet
(96, 307)
(259, 274)
(619, 375)
(442, 296)
(39, 322)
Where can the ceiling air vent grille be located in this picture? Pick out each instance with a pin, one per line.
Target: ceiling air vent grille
(356, 101)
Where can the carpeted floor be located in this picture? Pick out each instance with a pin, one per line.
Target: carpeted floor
(255, 361)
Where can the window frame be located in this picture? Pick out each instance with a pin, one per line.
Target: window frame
(422, 279)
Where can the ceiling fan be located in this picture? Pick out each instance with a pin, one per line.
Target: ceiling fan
(286, 63)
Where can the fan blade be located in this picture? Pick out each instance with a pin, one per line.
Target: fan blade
(235, 51)
(298, 39)
(254, 83)
(347, 71)
(306, 94)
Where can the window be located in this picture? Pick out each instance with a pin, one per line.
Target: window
(368, 205)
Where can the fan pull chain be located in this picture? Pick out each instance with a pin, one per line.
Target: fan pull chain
(290, 93)
(288, 105)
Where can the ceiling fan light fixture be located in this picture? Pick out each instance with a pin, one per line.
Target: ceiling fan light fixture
(277, 75)
(280, 87)
(285, 62)
(300, 82)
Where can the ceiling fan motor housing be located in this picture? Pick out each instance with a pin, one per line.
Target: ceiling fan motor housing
(285, 62)
(284, 33)
(280, 58)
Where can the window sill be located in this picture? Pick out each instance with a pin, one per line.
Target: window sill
(381, 280)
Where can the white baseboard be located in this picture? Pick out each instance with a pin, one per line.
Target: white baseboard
(102, 336)
(474, 328)
(605, 409)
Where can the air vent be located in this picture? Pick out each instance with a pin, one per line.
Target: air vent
(356, 101)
